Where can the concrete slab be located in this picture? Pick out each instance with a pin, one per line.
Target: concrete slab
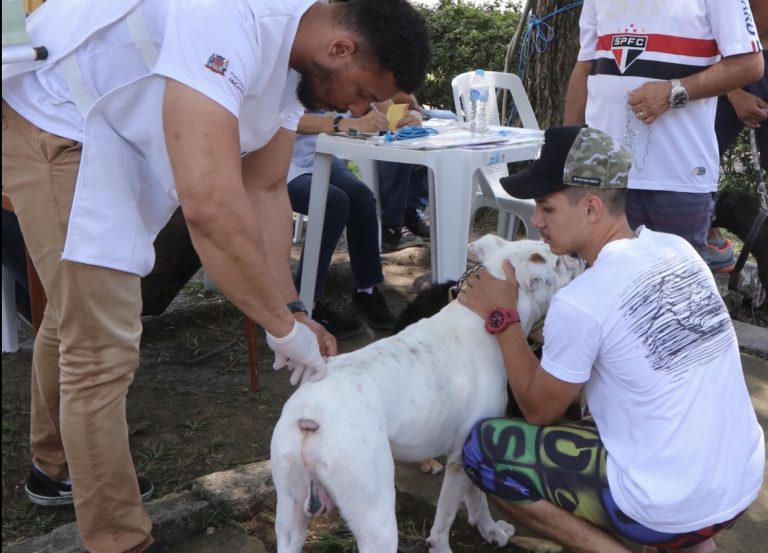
(220, 540)
(750, 534)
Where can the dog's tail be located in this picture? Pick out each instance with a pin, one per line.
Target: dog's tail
(319, 501)
(308, 425)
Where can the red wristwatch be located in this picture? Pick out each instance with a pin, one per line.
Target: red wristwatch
(499, 319)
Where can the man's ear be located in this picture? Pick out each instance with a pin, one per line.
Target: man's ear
(594, 207)
(341, 48)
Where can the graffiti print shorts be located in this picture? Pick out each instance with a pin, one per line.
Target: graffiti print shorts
(565, 465)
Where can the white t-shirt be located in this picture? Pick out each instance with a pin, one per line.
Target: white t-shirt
(304, 146)
(647, 331)
(303, 157)
(239, 59)
(125, 193)
(633, 42)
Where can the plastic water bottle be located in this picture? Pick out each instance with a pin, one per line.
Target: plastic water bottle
(478, 102)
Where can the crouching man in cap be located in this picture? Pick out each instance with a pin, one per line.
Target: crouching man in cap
(646, 335)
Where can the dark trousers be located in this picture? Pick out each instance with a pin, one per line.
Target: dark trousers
(351, 204)
(728, 126)
(686, 214)
(401, 185)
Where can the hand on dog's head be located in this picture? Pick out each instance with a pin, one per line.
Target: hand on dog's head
(538, 269)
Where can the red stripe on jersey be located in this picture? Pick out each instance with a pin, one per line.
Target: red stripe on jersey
(668, 44)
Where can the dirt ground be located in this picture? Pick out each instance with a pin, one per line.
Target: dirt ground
(190, 410)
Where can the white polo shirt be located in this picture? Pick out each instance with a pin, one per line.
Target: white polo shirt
(234, 52)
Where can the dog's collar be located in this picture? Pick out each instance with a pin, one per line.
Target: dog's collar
(757, 224)
(454, 290)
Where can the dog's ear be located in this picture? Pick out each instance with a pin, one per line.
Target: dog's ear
(568, 267)
(483, 247)
(535, 272)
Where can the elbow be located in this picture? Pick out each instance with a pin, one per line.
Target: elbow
(539, 419)
(200, 216)
(758, 67)
(752, 69)
(536, 415)
(543, 416)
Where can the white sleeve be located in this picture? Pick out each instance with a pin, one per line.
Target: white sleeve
(289, 117)
(571, 342)
(210, 47)
(588, 31)
(733, 27)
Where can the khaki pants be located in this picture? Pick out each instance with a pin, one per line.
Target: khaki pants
(86, 351)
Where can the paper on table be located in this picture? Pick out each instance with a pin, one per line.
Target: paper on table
(460, 137)
(395, 112)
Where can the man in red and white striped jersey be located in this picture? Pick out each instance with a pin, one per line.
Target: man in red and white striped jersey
(648, 74)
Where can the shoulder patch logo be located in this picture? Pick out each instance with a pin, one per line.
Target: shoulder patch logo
(626, 48)
(217, 63)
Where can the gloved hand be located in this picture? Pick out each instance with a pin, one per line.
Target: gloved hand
(298, 350)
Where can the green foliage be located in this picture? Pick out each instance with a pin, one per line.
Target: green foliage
(464, 37)
(736, 167)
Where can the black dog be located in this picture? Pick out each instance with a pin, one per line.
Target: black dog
(426, 303)
(176, 261)
(736, 212)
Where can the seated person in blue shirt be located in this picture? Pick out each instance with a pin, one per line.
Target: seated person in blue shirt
(351, 204)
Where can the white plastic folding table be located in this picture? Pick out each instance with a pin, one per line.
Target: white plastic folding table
(451, 171)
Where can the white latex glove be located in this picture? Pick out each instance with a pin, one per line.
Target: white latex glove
(298, 350)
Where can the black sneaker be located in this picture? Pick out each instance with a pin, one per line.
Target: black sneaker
(374, 310)
(154, 548)
(41, 490)
(394, 239)
(416, 221)
(335, 324)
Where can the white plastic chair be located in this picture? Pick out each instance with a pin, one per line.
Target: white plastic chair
(489, 192)
(16, 44)
(10, 324)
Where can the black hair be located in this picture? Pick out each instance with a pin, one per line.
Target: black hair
(396, 37)
(615, 199)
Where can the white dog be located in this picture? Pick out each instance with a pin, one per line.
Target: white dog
(408, 397)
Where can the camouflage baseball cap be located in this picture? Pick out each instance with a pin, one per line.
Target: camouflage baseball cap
(572, 156)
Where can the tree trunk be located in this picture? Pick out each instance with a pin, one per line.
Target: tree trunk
(548, 72)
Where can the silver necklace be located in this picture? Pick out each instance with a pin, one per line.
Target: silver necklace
(632, 138)
(454, 290)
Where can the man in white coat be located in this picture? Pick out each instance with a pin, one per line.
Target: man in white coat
(145, 104)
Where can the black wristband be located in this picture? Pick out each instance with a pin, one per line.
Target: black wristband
(297, 307)
(336, 121)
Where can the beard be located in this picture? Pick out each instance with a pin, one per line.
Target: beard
(314, 79)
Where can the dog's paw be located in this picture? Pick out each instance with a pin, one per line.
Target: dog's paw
(498, 534)
(439, 545)
(431, 466)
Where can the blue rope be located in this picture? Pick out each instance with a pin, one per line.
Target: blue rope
(538, 35)
(409, 131)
